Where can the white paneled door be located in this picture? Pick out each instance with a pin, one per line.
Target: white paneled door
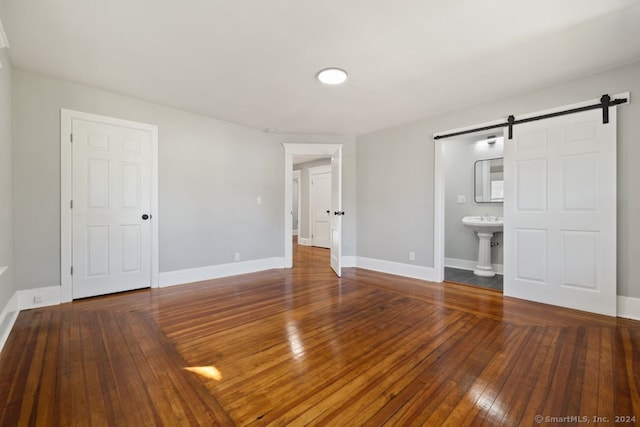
(111, 212)
(337, 213)
(560, 212)
(321, 208)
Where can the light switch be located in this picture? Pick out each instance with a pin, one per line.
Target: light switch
(259, 200)
(462, 199)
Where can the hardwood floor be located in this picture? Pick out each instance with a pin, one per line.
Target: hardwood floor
(300, 346)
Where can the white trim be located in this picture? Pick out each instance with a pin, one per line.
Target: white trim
(8, 318)
(297, 176)
(303, 241)
(290, 150)
(190, 275)
(438, 212)
(439, 181)
(349, 261)
(629, 307)
(66, 194)
(47, 296)
(4, 41)
(397, 268)
(465, 264)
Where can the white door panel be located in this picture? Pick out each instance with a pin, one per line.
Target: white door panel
(531, 185)
(321, 209)
(560, 212)
(531, 259)
(111, 192)
(336, 212)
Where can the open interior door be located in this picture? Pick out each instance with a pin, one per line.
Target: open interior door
(560, 212)
(336, 211)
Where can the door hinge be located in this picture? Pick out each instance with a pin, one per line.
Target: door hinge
(71, 204)
(71, 138)
(72, 270)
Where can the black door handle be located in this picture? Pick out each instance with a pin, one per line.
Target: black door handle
(339, 213)
(146, 217)
(328, 211)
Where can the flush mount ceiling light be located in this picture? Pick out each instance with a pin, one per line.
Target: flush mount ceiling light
(332, 76)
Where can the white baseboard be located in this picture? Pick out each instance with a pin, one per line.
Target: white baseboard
(24, 300)
(8, 317)
(304, 241)
(629, 307)
(397, 268)
(464, 264)
(180, 277)
(44, 297)
(349, 261)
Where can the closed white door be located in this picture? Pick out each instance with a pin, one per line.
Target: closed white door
(321, 209)
(111, 208)
(560, 212)
(336, 214)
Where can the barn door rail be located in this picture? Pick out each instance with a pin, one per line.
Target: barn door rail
(605, 103)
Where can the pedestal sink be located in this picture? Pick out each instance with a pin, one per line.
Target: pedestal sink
(485, 226)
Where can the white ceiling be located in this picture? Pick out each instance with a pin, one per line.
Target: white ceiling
(253, 62)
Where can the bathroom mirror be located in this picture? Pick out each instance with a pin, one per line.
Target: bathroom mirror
(489, 180)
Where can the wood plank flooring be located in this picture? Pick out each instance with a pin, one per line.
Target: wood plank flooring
(302, 347)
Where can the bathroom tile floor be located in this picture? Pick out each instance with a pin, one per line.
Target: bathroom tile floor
(467, 277)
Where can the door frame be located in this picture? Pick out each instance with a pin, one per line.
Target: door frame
(297, 176)
(290, 150)
(439, 190)
(439, 195)
(66, 194)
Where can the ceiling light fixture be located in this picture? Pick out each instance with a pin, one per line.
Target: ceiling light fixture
(332, 76)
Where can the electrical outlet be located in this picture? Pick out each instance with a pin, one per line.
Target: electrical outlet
(37, 299)
(462, 199)
(236, 256)
(412, 256)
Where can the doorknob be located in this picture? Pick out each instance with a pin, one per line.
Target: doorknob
(339, 213)
(328, 211)
(146, 217)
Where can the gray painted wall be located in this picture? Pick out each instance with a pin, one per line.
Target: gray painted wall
(459, 158)
(6, 178)
(210, 175)
(395, 172)
(395, 194)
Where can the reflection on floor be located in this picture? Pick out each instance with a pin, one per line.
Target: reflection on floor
(467, 277)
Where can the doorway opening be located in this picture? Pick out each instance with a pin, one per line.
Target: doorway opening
(474, 183)
(314, 160)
